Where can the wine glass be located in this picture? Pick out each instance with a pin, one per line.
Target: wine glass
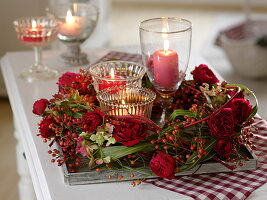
(77, 22)
(37, 32)
(165, 44)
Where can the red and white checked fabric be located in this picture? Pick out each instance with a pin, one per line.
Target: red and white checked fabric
(116, 55)
(224, 186)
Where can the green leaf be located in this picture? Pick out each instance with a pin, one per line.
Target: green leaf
(146, 82)
(207, 147)
(177, 113)
(144, 171)
(199, 160)
(77, 115)
(116, 152)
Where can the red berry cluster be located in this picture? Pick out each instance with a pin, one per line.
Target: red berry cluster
(187, 95)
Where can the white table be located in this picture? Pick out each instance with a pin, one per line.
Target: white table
(47, 178)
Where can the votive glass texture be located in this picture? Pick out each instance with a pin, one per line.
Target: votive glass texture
(116, 73)
(123, 100)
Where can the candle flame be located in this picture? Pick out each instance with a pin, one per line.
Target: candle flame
(166, 45)
(165, 30)
(34, 24)
(69, 18)
(112, 73)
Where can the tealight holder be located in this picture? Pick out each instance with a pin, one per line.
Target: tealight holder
(124, 100)
(37, 32)
(116, 73)
(77, 22)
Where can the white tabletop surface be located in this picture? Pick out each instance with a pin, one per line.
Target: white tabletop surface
(48, 178)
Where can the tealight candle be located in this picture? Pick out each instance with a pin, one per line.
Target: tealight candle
(72, 27)
(115, 80)
(116, 73)
(34, 33)
(123, 100)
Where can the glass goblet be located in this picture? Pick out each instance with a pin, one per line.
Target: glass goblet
(165, 44)
(37, 32)
(77, 22)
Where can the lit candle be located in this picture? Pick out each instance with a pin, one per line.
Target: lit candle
(72, 27)
(34, 33)
(124, 108)
(115, 81)
(166, 65)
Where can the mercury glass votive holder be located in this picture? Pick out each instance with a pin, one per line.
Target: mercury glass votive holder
(77, 21)
(124, 100)
(116, 73)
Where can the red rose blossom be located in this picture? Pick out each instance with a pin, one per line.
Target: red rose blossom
(130, 132)
(163, 165)
(44, 129)
(203, 74)
(221, 124)
(241, 109)
(91, 120)
(224, 148)
(71, 80)
(40, 106)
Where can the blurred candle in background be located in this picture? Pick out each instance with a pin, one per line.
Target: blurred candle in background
(72, 27)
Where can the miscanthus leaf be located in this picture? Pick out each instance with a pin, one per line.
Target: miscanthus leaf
(116, 152)
(207, 147)
(177, 113)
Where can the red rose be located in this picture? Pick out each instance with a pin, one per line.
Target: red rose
(130, 132)
(224, 148)
(203, 74)
(71, 80)
(67, 80)
(91, 120)
(44, 129)
(241, 109)
(163, 165)
(221, 124)
(40, 106)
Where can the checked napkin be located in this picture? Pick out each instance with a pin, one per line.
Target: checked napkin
(216, 186)
(224, 186)
(116, 55)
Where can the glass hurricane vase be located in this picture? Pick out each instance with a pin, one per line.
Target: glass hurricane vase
(165, 44)
(37, 32)
(77, 22)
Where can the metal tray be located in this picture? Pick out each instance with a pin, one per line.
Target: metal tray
(88, 176)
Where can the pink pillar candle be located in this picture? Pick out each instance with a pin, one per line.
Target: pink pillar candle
(166, 68)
